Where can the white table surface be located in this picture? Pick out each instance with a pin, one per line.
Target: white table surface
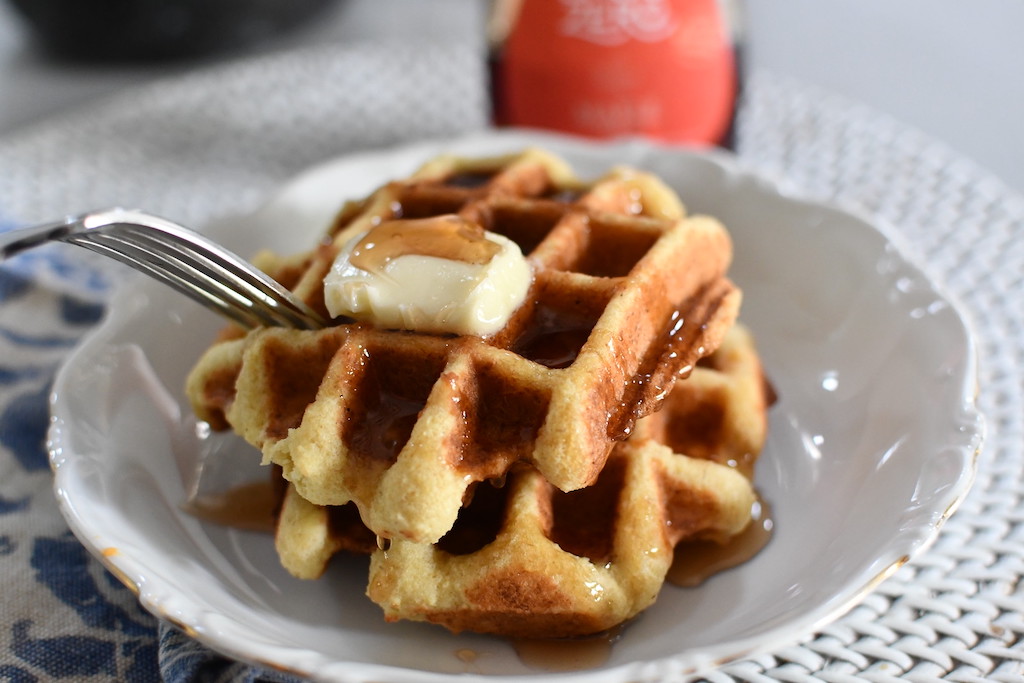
(949, 68)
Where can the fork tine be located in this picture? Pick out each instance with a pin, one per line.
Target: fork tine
(224, 265)
(143, 261)
(191, 246)
(192, 264)
(158, 256)
(180, 258)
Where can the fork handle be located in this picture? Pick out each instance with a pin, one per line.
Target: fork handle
(23, 239)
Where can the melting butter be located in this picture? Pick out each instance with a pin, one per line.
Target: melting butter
(447, 237)
(436, 275)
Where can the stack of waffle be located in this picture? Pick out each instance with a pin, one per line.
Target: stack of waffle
(524, 483)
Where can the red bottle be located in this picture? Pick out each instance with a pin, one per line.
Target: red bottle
(666, 69)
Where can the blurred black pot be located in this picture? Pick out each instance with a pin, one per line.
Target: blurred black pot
(125, 30)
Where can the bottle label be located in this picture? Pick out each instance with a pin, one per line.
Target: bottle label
(602, 68)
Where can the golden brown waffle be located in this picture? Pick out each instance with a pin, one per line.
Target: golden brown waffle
(627, 295)
(719, 413)
(526, 560)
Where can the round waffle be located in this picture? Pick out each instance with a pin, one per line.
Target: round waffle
(527, 560)
(627, 295)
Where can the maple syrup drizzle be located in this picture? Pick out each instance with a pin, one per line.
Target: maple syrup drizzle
(448, 237)
(567, 654)
(249, 507)
(388, 426)
(469, 180)
(697, 561)
(679, 340)
(556, 339)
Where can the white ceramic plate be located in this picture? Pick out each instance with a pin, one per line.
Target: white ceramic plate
(872, 443)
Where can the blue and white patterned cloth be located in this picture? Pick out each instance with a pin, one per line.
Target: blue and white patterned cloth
(63, 617)
(217, 141)
(246, 127)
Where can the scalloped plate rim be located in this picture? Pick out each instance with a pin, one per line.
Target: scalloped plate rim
(684, 663)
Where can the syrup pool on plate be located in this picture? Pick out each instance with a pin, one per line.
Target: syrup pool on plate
(697, 561)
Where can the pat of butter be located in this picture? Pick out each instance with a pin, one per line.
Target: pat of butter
(429, 292)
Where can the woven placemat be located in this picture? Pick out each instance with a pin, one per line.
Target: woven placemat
(218, 141)
(956, 612)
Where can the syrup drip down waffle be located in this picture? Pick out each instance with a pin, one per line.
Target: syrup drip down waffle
(627, 295)
(526, 560)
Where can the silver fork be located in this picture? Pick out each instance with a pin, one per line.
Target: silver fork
(179, 257)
